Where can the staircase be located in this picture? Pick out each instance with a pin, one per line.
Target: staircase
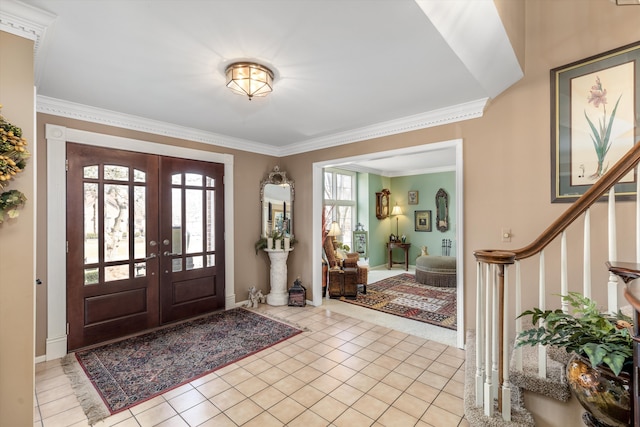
(498, 374)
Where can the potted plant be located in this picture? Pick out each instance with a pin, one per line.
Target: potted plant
(601, 346)
(261, 244)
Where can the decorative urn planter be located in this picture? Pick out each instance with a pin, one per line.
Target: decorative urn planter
(606, 397)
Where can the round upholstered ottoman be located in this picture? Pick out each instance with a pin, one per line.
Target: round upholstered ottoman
(436, 271)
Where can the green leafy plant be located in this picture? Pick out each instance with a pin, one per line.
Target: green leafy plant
(603, 338)
(13, 159)
(260, 244)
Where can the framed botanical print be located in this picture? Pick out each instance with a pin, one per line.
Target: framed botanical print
(594, 107)
(361, 243)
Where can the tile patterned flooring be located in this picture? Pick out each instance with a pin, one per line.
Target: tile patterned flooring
(344, 371)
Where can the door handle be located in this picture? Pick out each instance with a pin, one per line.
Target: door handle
(167, 253)
(151, 256)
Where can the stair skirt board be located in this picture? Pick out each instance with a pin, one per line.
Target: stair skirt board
(554, 386)
(520, 417)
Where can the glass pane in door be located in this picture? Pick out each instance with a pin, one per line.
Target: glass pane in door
(116, 222)
(91, 223)
(139, 220)
(193, 213)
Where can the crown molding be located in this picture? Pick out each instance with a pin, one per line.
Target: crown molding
(86, 113)
(452, 114)
(395, 174)
(25, 21)
(31, 23)
(456, 113)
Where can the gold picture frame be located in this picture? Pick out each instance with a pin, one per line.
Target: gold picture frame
(422, 220)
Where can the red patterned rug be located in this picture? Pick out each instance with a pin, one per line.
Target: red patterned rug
(137, 369)
(402, 296)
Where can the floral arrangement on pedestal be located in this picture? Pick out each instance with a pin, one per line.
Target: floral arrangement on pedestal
(13, 159)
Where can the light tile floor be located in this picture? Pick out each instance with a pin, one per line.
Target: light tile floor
(344, 371)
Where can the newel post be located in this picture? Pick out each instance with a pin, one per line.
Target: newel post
(495, 344)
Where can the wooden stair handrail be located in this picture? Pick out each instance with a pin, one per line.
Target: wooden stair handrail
(597, 190)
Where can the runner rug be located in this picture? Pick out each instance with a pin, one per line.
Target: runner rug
(129, 372)
(403, 296)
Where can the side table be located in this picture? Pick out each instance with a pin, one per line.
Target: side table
(393, 245)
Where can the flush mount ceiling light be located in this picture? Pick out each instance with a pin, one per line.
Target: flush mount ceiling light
(250, 79)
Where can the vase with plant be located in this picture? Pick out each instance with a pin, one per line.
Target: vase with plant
(601, 346)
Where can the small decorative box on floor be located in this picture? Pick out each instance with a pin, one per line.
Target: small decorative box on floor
(297, 294)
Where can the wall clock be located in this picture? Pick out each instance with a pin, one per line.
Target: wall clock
(382, 203)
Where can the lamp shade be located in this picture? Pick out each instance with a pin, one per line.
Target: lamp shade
(250, 79)
(334, 230)
(396, 210)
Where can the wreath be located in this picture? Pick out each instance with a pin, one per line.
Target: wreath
(13, 159)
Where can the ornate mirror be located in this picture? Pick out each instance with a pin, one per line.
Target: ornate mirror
(442, 210)
(276, 195)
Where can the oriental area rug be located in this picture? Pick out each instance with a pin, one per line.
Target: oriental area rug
(117, 376)
(402, 296)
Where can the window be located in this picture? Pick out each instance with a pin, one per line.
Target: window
(340, 202)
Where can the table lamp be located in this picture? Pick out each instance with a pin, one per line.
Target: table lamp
(334, 231)
(395, 212)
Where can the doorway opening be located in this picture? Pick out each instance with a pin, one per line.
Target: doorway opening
(457, 166)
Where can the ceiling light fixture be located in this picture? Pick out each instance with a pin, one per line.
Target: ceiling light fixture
(249, 78)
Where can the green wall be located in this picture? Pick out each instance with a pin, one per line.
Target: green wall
(379, 229)
(427, 185)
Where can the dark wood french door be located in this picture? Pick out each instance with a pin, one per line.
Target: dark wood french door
(145, 242)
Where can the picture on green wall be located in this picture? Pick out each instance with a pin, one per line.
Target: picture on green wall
(360, 243)
(423, 220)
(412, 197)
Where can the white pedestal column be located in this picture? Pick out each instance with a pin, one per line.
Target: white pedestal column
(278, 294)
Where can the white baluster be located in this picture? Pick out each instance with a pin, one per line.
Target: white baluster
(564, 287)
(506, 387)
(542, 350)
(495, 377)
(586, 258)
(518, 307)
(480, 308)
(488, 389)
(612, 288)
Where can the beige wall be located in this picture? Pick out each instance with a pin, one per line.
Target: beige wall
(506, 152)
(507, 166)
(17, 236)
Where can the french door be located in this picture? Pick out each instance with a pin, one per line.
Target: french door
(145, 242)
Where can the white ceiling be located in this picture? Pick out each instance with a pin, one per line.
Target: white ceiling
(345, 70)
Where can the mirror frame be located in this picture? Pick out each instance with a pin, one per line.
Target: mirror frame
(276, 177)
(442, 210)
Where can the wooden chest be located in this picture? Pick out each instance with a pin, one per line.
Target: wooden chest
(343, 283)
